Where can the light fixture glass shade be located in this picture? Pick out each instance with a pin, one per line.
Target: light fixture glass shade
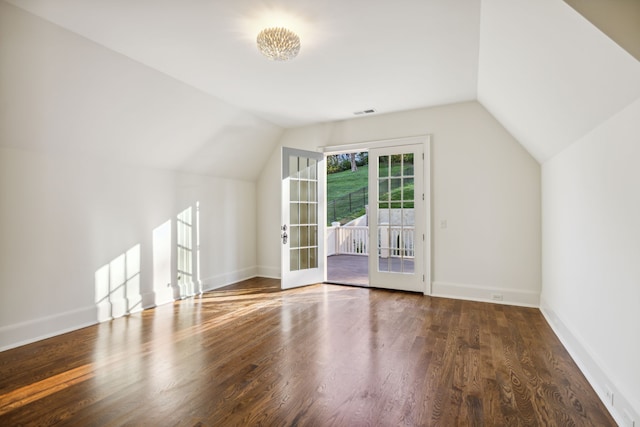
(278, 44)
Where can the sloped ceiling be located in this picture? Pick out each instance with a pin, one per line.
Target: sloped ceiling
(355, 54)
(618, 19)
(60, 93)
(540, 68)
(548, 75)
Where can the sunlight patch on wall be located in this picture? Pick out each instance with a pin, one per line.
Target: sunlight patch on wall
(185, 259)
(188, 251)
(162, 264)
(117, 286)
(175, 270)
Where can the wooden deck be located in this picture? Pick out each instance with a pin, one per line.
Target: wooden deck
(348, 269)
(354, 269)
(323, 355)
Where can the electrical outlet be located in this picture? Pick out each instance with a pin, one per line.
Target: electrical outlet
(609, 394)
(496, 297)
(443, 224)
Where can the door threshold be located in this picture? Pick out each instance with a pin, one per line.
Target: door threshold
(357, 285)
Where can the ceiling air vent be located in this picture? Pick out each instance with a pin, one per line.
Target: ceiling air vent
(369, 111)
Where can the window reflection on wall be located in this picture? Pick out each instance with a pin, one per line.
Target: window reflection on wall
(174, 270)
(117, 286)
(187, 252)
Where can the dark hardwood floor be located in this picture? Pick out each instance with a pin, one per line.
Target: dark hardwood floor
(250, 354)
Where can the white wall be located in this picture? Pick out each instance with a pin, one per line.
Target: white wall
(64, 93)
(484, 184)
(591, 263)
(90, 142)
(64, 219)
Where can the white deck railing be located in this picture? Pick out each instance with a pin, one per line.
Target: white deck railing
(354, 240)
(396, 241)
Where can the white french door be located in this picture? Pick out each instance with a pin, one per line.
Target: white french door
(397, 213)
(302, 225)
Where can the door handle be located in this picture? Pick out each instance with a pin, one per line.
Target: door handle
(284, 234)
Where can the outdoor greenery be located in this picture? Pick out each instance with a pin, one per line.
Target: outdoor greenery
(342, 183)
(347, 161)
(347, 194)
(347, 190)
(396, 194)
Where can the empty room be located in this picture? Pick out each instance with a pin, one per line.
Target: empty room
(168, 216)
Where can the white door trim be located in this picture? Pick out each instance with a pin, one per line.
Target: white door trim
(425, 141)
(381, 143)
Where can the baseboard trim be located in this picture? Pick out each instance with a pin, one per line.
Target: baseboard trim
(621, 408)
(484, 294)
(222, 280)
(268, 272)
(19, 334)
(28, 332)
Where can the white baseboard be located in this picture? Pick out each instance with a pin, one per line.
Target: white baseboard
(215, 282)
(19, 334)
(154, 299)
(269, 272)
(113, 309)
(484, 294)
(621, 408)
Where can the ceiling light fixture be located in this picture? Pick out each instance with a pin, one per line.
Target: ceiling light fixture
(278, 44)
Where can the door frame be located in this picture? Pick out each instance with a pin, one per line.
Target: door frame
(425, 140)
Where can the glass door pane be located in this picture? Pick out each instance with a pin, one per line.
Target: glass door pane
(397, 217)
(396, 214)
(303, 205)
(302, 186)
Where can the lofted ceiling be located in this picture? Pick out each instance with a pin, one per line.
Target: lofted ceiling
(544, 71)
(355, 54)
(549, 75)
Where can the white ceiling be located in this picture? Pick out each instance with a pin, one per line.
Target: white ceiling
(355, 54)
(547, 74)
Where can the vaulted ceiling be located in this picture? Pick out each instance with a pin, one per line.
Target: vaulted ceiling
(548, 74)
(545, 72)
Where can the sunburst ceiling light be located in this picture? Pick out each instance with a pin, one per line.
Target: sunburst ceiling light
(278, 44)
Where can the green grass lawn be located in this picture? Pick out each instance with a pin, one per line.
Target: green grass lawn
(397, 194)
(345, 182)
(340, 184)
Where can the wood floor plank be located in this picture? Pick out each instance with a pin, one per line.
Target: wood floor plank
(251, 354)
